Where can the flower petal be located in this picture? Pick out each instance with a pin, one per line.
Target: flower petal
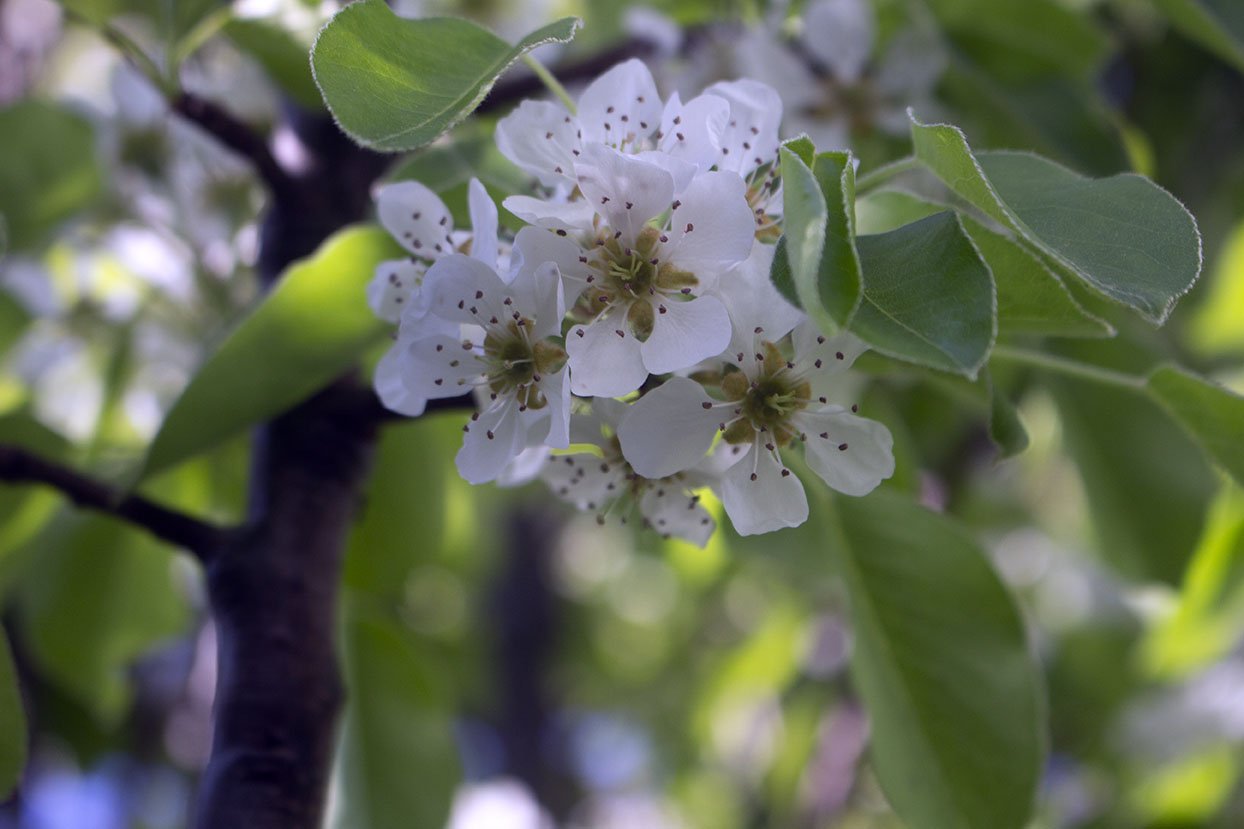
(492, 440)
(841, 33)
(604, 362)
(483, 223)
(540, 137)
(525, 467)
(583, 480)
(533, 246)
(390, 387)
(576, 216)
(692, 131)
(750, 139)
(668, 429)
(852, 454)
(684, 333)
(622, 103)
(464, 289)
(711, 231)
(393, 287)
(438, 366)
(416, 217)
(753, 302)
(824, 359)
(556, 389)
(672, 511)
(759, 498)
(626, 190)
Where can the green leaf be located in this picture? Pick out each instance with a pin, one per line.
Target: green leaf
(1031, 298)
(818, 251)
(48, 169)
(1210, 413)
(12, 723)
(928, 297)
(1124, 236)
(397, 759)
(1218, 25)
(942, 663)
(397, 84)
(309, 330)
(281, 55)
(1147, 484)
(97, 594)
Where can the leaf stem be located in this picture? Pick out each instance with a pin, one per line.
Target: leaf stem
(203, 31)
(885, 173)
(1070, 368)
(546, 77)
(128, 47)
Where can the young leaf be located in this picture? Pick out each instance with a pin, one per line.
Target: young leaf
(48, 170)
(943, 666)
(312, 327)
(1124, 236)
(1005, 428)
(12, 723)
(281, 55)
(1210, 413)
(928, 297)
(396, 84)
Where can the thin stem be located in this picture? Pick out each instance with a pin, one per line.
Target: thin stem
(128, 47)
(546, 77)
(202, 32)
(886, 173)
(1070, 368)
(18, 466)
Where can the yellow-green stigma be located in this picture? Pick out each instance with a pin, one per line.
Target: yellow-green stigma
(767, 403)
(515, 364)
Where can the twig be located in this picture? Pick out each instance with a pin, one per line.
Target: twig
(18, 466)
(237, 136)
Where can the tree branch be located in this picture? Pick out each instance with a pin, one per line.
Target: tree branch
(18, 466)
(237, 136)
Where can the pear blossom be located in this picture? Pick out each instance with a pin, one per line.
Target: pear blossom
(421, 223)
(768, 402)
(504, 351)
(648, 264)
(606, 484)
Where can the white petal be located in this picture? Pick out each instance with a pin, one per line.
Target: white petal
(672, 511)
(696, 138)
(525, 467)
(491, 442)
(541, 298)
(393, 287)
(833, 354)
(855, 453)
(483, 223)
(684, 333)
(575, 217)
(391, 389)
(668, 429)
(416, 217)
(540, 137)
(681, 171)
(533, 246)
(751, 136)
(753, 302)
(439, 366)
(766, 503)
(841, 34)
(584, 480)
(621, 103)
(712, 229)
(604, 363)
(626, 190)
(464, 289)
(556, 390)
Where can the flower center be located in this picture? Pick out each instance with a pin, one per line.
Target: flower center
(513, 364)
(624, 274)
(769, 402)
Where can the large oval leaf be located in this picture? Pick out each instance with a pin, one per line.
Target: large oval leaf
(928, 297)
(942, 663)
(1124, 236)
(310, 329)
(396, 84)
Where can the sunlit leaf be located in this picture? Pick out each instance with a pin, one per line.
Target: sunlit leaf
(397, 84)
(312, 327)
(928, 297)
(1210, 413)
(48, 169)
(1124, 236)
(942, 663)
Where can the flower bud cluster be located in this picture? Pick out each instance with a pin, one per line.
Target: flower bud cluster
(628, 347)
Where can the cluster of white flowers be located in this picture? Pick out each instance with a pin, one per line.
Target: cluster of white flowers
(628, 348)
